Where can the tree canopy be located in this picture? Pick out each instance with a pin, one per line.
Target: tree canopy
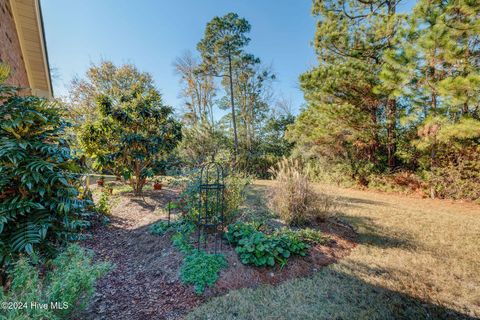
(131, 130)
(394, 91)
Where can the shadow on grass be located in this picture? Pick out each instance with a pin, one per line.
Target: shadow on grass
(370, 234)
(332, 293)
(356, 202)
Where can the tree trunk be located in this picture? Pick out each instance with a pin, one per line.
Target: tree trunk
(138, 182)
(234, 122)
(375, 143)
(433, 150)
(391, 134)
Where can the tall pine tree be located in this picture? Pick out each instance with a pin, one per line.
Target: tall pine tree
(350, 42)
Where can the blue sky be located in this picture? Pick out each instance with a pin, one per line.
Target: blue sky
(151, 34)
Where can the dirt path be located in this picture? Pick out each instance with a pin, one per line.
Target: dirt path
(137, 288)
(145, 282)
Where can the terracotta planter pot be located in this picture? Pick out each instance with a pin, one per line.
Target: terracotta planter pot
(157, 186)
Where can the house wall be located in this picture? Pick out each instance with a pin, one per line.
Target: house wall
(10, 51)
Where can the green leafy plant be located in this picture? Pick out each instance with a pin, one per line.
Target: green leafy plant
(180, 240)
(201, 269)
(312, 236)
(69, 282)
(133, 129)
(39, 200)
(234, 195)
(260, 249)
(103, 204)
(240, 230)
(235, 184)
(290, 241)
(157, 179)
(161, 227)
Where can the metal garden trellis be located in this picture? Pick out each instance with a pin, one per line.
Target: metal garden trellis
(211, 205)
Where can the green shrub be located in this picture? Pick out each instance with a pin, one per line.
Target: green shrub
(130, 129)
(189, 196)
(40, 204)
(325, 171)
(69, 282)
(458, 174)
(201, 269)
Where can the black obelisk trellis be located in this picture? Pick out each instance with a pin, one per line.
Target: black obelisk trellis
(211, 206)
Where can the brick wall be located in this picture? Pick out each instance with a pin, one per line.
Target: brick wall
(10, 52)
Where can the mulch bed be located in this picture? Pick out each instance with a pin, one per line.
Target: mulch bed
(239, 275)
(145, 282)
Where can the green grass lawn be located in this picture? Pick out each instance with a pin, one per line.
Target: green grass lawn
(416, 259)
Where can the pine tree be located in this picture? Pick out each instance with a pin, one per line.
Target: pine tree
(443, 56)
(350, 41)
(224, 41)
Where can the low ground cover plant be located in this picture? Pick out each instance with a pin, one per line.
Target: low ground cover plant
(312, 236)
(181, 240)
(261, 249)
(161, 227)
(68, 283)
(240, 230)
(201, 269)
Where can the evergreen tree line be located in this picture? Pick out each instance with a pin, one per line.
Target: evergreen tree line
(395, 96)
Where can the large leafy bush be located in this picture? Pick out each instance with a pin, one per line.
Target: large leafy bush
(130, 130)
(65, 287)
(39, 199)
